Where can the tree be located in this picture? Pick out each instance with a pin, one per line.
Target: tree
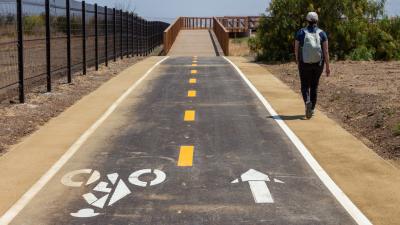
(350, 24)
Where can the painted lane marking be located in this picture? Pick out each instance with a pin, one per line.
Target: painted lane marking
(258, 185)
(347, 204)
(190, 115)
(193, 72)
(27, 197)
(192, 93)
(260, 191)
(194, 61)
(134, 177)
(192, 81)
(105, 188)
(68, 181)
(194, 64)
(186, 156)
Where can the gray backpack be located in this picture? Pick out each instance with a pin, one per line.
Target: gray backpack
(312, 49)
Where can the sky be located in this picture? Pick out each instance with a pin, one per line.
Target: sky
(167, 10)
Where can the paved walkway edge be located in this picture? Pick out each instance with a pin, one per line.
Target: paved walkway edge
(368, 180)
(27, 167)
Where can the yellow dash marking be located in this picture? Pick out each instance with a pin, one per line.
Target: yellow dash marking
(194, 64)
(193, 71)
(190, 115)
(186, 156)
(192, 93)
(192, 81)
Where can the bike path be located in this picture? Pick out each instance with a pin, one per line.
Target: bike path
(213, 158)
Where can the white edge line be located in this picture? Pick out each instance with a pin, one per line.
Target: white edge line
(349, 206)
(30, 194)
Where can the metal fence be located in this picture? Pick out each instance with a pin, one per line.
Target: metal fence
(43, 39)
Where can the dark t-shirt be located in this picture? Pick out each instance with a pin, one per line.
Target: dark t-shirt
(300, 35)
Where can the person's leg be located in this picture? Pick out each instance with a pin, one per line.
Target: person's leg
(304, 72)
(315, 77)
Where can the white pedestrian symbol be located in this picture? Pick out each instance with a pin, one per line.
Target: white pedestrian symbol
(258, 185)
(103, 189)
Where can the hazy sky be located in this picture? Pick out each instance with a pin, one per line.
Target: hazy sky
(169, 9)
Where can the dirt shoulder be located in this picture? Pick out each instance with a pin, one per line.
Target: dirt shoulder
(20, 120)
(363, 97)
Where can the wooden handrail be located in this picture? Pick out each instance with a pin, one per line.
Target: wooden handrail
(222, 35)
(194, 23)
(171, 33)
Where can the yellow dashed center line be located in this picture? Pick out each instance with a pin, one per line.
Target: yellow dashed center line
(193, 71)
(192, 93)
(192, 81)
(186, 156)
(194, 64)
(190, 115)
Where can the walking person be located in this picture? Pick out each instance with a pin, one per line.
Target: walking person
(312, 53)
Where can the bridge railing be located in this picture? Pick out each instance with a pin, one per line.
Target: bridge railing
(196, 23)
(239, 23)
(222, 35)
(171, 33)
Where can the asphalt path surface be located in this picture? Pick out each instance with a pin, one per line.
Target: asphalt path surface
(187, 147)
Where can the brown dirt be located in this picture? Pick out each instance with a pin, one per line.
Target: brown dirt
(362, 96)
(239, 47)
(19, 120)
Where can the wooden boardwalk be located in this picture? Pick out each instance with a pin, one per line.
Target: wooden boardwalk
(196, 42)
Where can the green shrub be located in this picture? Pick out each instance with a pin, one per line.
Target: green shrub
(357, 29)
(34, 24)
(361, 54)
(396, 130)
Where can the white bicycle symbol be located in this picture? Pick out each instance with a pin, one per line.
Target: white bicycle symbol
(109, 197)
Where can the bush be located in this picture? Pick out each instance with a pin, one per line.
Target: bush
(396, 130)
(356, 29)
(361, 54)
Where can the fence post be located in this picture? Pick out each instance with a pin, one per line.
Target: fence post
(132, 37)
(137, 35)
(106, 34)
(68, 17)
(84, 37)
(121, 46)
(114, 34)
(96, 38)
(48, 46)
(127, 34)
(21, 86)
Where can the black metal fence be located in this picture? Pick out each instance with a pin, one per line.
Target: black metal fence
(43, 39)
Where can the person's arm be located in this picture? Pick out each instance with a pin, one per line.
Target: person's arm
(296, 50)
(325, 47)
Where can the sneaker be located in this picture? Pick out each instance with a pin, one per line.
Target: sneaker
(309, 111)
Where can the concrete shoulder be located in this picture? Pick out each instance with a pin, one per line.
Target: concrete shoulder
(26, 162)
(371, 183)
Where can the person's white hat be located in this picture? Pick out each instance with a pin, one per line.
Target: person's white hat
(312, 17)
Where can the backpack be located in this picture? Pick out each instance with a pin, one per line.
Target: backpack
(312, 50)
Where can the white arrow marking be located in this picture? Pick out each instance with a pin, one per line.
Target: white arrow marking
(258, 185)
(254, 175)
(260, 191)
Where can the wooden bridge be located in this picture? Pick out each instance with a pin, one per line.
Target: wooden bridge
(204, 36)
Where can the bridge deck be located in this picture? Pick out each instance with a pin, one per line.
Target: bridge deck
(196, 42)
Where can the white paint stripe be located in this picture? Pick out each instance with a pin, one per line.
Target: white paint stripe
(350, 207)
(260, 191)
(28, 196)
